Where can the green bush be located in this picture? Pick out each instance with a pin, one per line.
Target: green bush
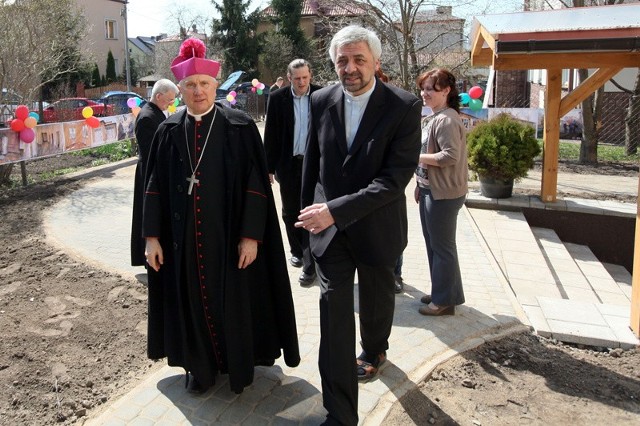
(502, 148)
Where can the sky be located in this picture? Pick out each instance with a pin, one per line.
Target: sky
(152, 17)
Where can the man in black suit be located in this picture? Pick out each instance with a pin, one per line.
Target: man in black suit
(149, 117)
(363, 148)
(285, 141)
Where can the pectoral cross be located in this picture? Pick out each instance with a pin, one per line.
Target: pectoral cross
(192, 179)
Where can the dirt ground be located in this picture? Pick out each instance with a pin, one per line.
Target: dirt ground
(73, 338)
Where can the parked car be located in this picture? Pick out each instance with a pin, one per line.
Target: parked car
(71, 109)
(229, 84)
(118, 101)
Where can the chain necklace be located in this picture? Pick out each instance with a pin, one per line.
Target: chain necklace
(192, 179)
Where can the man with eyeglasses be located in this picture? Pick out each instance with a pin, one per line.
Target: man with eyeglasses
(223, 302)
(151, 115)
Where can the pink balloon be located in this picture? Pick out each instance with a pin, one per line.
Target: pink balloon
(475, 92)
(22, 112)
(27, 135)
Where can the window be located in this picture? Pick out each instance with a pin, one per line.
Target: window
(110, 29)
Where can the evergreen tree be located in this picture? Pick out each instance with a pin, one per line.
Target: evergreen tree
(235, 32)
(289, 13)
(95, 76)
(111, 68)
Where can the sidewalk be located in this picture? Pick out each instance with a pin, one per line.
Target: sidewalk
(282, 395)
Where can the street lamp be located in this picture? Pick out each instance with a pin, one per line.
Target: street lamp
(127, 65)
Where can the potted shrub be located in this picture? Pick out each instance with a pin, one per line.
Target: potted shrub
(500, 151)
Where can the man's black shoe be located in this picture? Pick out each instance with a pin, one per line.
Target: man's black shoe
(307, 279)
(399, 284)
(295, 262)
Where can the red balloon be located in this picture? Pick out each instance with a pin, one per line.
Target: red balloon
(475, 92)
(17, 125)
(22, 112)
(93, 122)
(27, 135)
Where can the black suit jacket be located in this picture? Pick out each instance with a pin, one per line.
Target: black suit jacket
(278, 131)
(364, 186)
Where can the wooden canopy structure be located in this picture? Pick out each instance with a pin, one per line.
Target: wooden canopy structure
(604, 38)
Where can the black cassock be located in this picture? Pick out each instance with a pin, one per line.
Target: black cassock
(205, 314)
(147, 122)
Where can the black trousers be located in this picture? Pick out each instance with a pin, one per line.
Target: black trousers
(290, 189)
(337, 360)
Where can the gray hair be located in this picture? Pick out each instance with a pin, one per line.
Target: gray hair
(163, 86)
(355, 34)
(297, 63)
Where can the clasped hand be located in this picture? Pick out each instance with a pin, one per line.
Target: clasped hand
(315, 218)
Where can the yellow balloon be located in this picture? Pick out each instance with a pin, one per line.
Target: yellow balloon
(87, 112)
(171, 109)
(135, 111)
(30, 122)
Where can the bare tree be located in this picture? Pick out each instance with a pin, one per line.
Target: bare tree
(37, 37)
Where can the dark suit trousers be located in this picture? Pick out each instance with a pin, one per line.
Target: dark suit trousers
(290, 189)
(337, 361)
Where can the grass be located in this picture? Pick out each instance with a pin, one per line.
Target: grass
(570, 151)
(109, 153)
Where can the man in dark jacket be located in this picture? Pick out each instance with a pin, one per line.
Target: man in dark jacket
(224, 301)
(149, 117)
(285, 141)
(363, 147)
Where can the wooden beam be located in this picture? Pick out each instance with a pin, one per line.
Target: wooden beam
(566, 60)
(483, 59)
(586, 88)
(552, 98)
(635, 280)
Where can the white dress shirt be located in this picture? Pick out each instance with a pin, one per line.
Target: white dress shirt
(354, 107)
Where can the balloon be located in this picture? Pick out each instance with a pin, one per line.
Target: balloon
(171, 108)
(138, 101)
(87, 112)
(253, 89)
(233, 102)
(135, 110)
(93, 122)
(259, 91)
(30, 122)
(131, 102)
(34, 115)
(464, 98)
(230, 98)
(255, 82)
(17, 125)
(475, 92)
(27, 135)
(176, 102)
(261, 86)
(475, 104)
(22, 112)
(233, 93)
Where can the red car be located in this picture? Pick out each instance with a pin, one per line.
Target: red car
(71, 109)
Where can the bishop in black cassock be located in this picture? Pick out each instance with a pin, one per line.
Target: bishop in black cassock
(209, 189)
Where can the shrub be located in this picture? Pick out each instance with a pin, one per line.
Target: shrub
(502, 148)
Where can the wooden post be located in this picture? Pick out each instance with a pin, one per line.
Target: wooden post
(23, 172)
(552, 100)
(635, 281)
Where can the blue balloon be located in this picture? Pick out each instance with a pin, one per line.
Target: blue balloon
(34, 115)
(464, 98)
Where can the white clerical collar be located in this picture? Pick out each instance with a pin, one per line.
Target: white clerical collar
(360, 98)
(198, 117)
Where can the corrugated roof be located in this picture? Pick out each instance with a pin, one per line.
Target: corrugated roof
(623, 16)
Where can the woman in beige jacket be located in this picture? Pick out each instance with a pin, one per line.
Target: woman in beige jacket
(441, 189)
